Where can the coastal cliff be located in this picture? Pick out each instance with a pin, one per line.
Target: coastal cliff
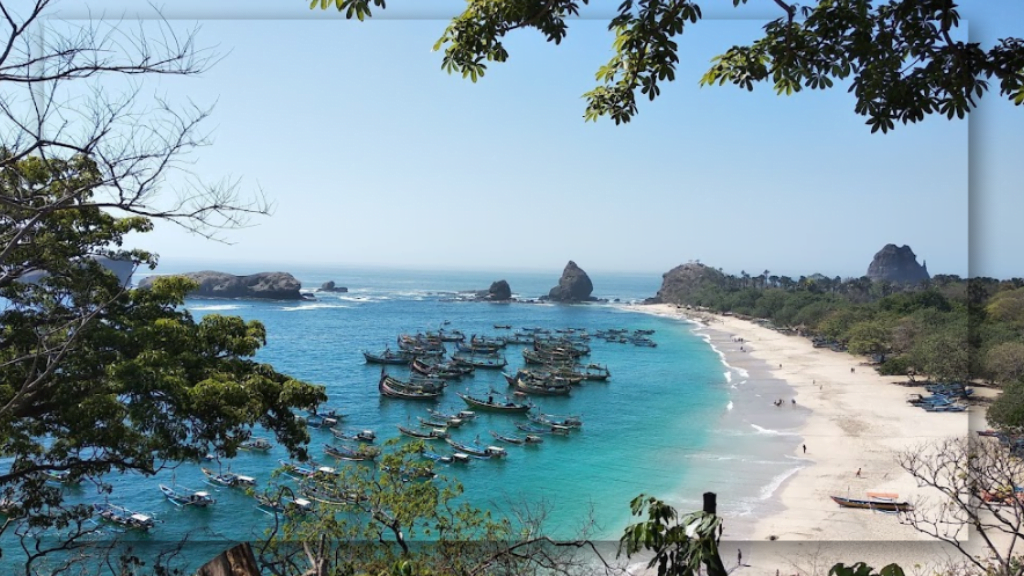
(573, 286)
(264, 285)
(897, 264)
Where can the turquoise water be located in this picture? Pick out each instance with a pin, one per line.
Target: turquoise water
(667, 423)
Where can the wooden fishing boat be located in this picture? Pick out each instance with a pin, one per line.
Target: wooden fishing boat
(450, 371)
(433, 434)
(62, 477)
(363, 453)
(478, 450)
(229, 479)
(477, 361)
(256, 445)
(187, 497)
(123, 517)
(547, 358)
(394, 388)
(538, 386)
(454, 420)
(368, 436)
(503, 326)
(328, 493)
(528, 439)
(883, 505)
(439, 422)
(386, 357)
(570, 421)
(489, 404)
(547, 429)
(283, 504)
(319, 421)
(596, 372)
(307, 470)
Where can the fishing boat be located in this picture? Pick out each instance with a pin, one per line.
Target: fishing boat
(229, 479)
(596, 372)
(433, 434)
(443, 458)
(283, 504)
(186, 497)
(306, 470)
(454, 420)
(530, 384)
(123, 517)
(503, 326)
(363, 453)
(394, 388)
(884, 505)
(447, 370)
(528, 439)
(256, 445)
(386, 357)
(368, 436)
(326, 493)
(489, 405)
(449, 423)
(569, 421)
(478, 450)
(547, 429)
(496, 362)
(63, 477)
(319, 421)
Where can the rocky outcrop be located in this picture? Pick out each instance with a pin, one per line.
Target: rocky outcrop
(499, 290)
(573, 286)
(330, 286)
(681, 284)
(264, 285)
(897, 264)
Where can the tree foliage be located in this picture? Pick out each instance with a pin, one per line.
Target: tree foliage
(903, 59)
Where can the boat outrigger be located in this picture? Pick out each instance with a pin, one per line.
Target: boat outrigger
(228, 479)
(123, 517)
(186, 497)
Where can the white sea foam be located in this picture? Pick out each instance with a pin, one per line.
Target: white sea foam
(213, 307)
(728, 376)
(743, 373)
(729, 407)
(770, 432)
(771, 487)
(313, 307)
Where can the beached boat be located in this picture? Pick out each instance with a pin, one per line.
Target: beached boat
(283, 504)
(229, 479)
(362, 453)
(528, 439)
(187, 497)
(123, 517)
(432, 434)
(394, 388)
(489, 404)
(256, 445)
(478, 449)
(884, 505)
(368, 436)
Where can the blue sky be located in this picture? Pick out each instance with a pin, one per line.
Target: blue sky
(373, 155)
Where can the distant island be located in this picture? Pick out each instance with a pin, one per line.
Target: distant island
(263, 285)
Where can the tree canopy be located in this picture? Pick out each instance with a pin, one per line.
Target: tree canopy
(902, 59)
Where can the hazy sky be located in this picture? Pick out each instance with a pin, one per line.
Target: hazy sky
(373, 155)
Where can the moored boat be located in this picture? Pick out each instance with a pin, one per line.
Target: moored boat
(528, 439)
(432, 434)
(394, 388)
(545, 429)
(256, 445)
(187, 497)
(489, 404)
(306, 470)
(478, 450)
(368, 436)
(283, 504)
(569, 421)
(229, 479)
(362, 453)
(123, 517)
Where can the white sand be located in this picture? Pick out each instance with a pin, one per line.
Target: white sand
(859, 420)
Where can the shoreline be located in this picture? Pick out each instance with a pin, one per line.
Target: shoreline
(855, 420)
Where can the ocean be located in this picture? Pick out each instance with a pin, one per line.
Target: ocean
(673, 421)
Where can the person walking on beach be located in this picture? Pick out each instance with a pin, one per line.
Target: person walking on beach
(805, 448)
(739, 557)
(858, 472)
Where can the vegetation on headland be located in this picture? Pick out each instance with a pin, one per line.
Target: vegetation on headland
(947, 329)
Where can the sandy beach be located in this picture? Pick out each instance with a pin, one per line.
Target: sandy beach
(857, 420)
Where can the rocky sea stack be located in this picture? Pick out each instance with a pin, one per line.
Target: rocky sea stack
(264, 285)
(680, 284)
(573, 286)
(499, 290)
(330, 286)
(897, 264)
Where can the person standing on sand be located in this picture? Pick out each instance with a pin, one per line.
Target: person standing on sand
(739, 557)
(858, 472)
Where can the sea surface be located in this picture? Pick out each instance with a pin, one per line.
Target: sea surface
(673, 421)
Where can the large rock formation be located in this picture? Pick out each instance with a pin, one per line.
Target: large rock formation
(499, 290)
(264, 285)
(330, 286)
(573, 286)
(897, 264)
(681, 284)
